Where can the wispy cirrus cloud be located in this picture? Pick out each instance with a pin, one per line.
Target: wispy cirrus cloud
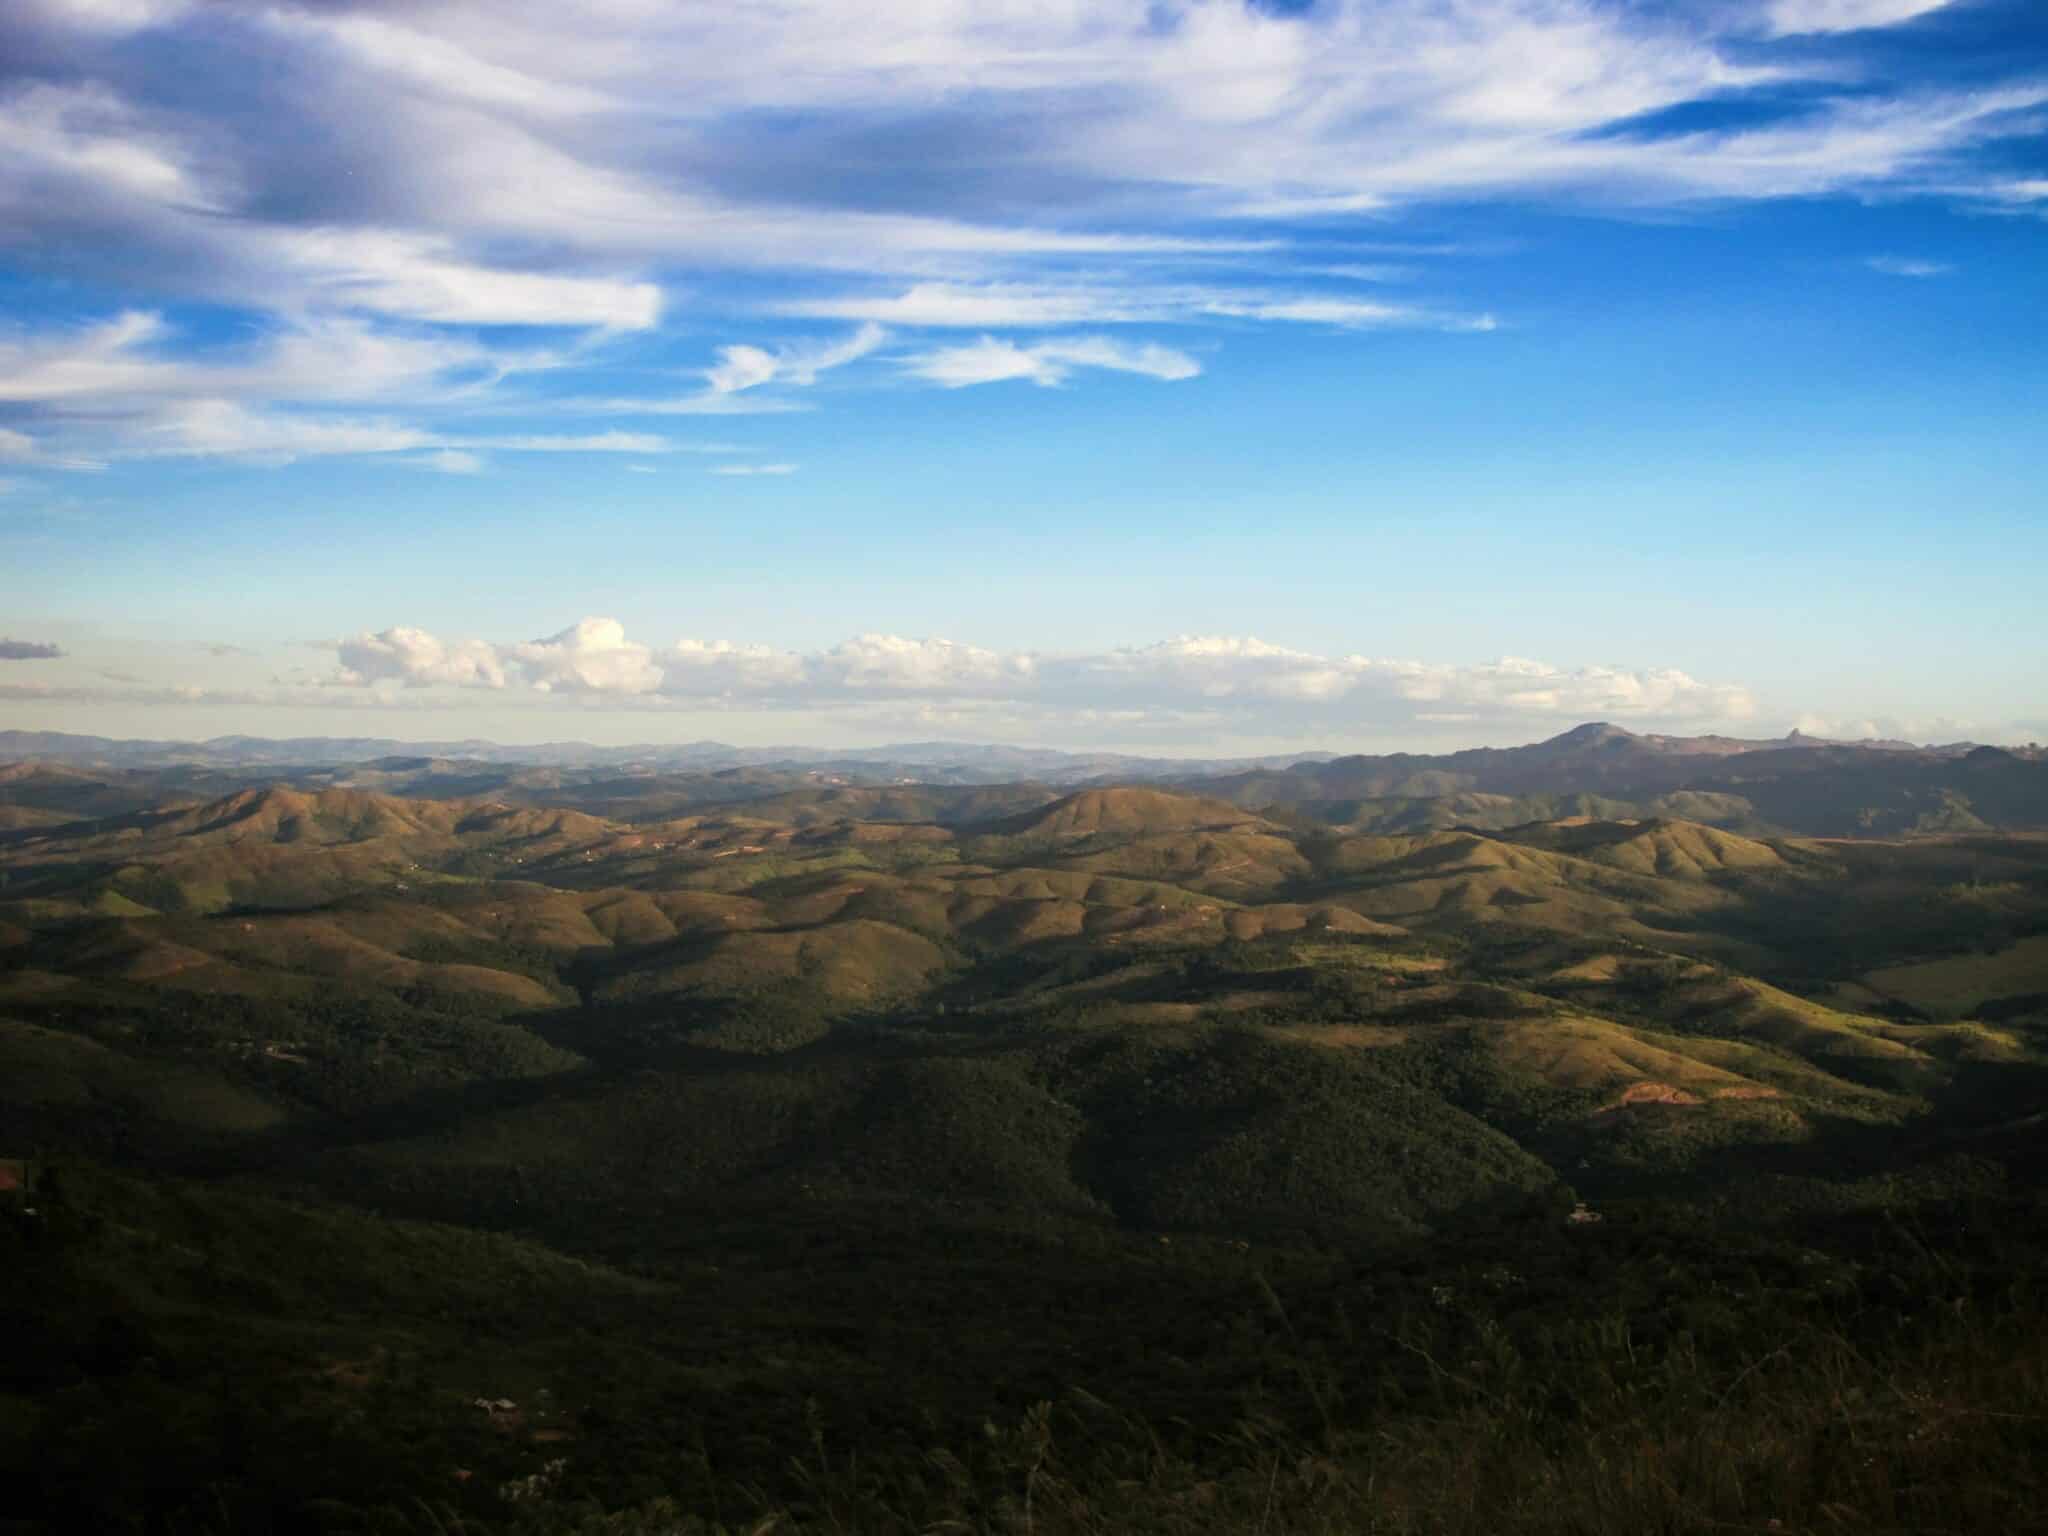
(994, 360)
(121, 388)
(1017, 306)
(438, 181)
(1908, 266)
(705, 402)
(1792, 17)
(746, 367)
(450, 461)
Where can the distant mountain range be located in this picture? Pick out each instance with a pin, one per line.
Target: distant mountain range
(972, 763)
(998, 762)
(1796, 784)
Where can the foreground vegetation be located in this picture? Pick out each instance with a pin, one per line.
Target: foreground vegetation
(197, 1360)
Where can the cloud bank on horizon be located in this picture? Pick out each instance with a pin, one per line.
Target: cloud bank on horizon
(1240, 686)
(1239, 675)
(1185, 694)
(338, 227)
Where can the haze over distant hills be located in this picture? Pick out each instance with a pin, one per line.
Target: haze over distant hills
(1042, 762)
(303, 751)
(1794, 784)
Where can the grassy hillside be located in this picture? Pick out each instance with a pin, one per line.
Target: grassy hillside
(785, 1145)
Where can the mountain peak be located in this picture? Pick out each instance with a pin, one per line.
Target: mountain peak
(1593, 733)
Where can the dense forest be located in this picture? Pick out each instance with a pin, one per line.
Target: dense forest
(1122, 1160)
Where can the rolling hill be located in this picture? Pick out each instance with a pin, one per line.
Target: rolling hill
(883, 1112)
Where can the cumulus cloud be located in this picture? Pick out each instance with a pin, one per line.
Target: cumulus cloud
(1248, 671)
(874, 663)
(417, 659)
(591, 657)
(1926, 730)
(1235, 681)
(29, 650)
(992, 360)
(713, 669)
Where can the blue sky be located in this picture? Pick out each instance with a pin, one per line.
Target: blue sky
(1179, 376)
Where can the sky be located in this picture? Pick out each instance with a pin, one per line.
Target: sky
(1191, 377)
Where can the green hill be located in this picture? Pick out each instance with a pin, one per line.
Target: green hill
(781, 1158)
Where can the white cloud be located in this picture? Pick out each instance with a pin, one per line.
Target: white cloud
(590, 442)
(591, 657)
(419, 278)
(1027, 307)
(536, 162)
(891, 664)
(86, 136)
(1367, 272)
(224, 429)
(991, 360)
(975, 306)
(1237, 681)
(1347, 314)
(1788, 17)
(2021, 190)
(419, 59)
(740, 367)
(1927, 730)
(100, 360)
(115, 16)
(1217, 669)
(434, 171)
(451, 461)
(1907, 266)
(122, 387)
(747, 367)
(753, 469)
(418, 660)
(709, 669)
(709, 403)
